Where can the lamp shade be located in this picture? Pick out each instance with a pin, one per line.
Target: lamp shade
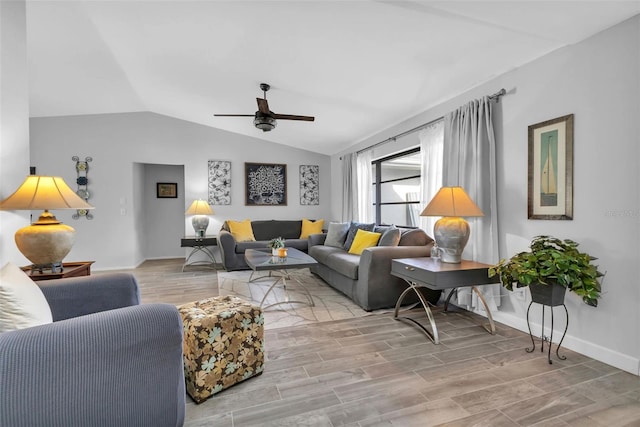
(199, 207)
(44, 192)
(452, 201)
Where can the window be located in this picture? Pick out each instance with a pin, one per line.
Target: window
(396, 188)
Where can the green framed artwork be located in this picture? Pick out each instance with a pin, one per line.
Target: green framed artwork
(550, 172)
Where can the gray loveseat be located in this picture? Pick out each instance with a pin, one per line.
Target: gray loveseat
(232, 252)
(104, 361)
(366, 278)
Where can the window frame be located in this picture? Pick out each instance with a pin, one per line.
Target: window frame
(377, 183)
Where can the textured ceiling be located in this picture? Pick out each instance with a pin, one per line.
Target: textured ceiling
(358, 66)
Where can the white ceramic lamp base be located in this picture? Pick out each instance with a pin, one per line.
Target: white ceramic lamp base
(451, 234)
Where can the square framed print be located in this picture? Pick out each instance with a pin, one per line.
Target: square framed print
(550, 171)
(266, 184)
(167, 190)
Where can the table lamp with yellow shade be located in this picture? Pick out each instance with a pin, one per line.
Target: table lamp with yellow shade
(200, 210)
(46, 241)
(451, 232)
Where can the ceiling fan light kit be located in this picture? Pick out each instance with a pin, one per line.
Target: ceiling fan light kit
(265, 119)
(264, 123)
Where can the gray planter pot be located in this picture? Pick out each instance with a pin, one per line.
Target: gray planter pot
(551, 294)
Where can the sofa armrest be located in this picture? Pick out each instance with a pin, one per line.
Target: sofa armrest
(77, 296)
(227, 244)
(375, 271)
(119, 367)
(317, 239)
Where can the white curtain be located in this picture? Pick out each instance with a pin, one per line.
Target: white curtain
(365, 187)
(349, 188)
(357, 187)
(470, 162)
(431, 153)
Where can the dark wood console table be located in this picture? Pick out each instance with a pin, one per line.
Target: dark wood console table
(69, 269)
(435, 274)
(200, 244)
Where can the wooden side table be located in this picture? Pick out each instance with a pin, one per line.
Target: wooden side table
(69, 269)
(434, 274)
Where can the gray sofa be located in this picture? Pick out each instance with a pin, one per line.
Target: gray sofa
(366, 278)
(232, 252)
(104, 361)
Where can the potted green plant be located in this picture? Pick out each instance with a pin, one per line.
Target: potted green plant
(275, 244)
(552, 262)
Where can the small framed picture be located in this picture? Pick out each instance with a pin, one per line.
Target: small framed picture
(167, 190)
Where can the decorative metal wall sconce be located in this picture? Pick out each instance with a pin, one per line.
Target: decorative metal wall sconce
(82, 169)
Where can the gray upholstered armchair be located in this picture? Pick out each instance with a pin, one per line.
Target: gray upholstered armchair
(106, 360)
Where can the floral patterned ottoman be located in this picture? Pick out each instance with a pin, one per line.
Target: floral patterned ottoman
(223, 344)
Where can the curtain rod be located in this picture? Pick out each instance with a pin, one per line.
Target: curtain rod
(400, 135)
(496, 96)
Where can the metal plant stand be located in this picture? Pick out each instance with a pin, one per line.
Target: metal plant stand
(550, 338)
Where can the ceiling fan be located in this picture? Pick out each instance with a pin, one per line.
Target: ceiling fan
(265, 119)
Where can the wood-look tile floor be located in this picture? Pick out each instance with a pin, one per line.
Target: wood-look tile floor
(375, 371)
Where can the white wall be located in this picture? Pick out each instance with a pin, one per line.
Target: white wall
(598, 81)
(14, 122)
(117, 142)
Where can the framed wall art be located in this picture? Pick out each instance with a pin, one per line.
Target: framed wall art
(309, 185)
(550, 177)
(167, 190)
(219, 185)
(266, 184)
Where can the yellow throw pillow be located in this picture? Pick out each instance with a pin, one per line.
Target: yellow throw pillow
(241, 230)
(364, 240)
(311, 227)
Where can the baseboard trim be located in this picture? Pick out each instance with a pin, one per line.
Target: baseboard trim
(610, 357)
(131, 267)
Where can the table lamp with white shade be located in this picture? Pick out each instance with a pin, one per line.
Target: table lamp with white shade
(200, 210)
(46, 241)
(451, 232)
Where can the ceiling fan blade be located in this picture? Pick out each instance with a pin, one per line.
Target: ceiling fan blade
(263, 106)
(234, 115)
(293, 117)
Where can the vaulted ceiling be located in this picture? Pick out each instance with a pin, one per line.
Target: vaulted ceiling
(358, 66)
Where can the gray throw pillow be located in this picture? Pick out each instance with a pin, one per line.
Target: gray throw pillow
(337, 234)
(353, 229)
(391, 237)
(414, 237)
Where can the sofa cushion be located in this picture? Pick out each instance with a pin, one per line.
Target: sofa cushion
(311, 227)
(300, 244)
(414, 237)
(322, 253)
(242, 231)
(344, 263)
(390, 237)
(363, 240)
(337, 234)
(353, 229)
(256, 244)
(268, 229)
(22, 303)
